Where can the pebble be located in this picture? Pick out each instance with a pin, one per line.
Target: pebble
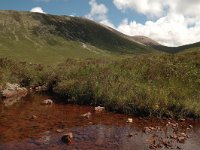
(87, 115)
(59, 130)
(130, 120)
(67, 138)
(47, 102)
(182, 120)
(181, 139)
(146, 130)
(130, 134)
(34, 117)
(190, 126)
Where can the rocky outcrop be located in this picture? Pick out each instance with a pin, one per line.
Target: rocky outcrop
(13, 90)
(11, 93)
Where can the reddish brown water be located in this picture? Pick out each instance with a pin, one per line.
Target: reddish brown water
(103, 131)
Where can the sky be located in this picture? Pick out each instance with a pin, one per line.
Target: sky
(169, 22)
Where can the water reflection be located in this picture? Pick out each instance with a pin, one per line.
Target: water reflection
(102, 131)
(10, 101)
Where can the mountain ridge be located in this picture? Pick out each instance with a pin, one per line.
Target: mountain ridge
(54, 38)
(25, 33)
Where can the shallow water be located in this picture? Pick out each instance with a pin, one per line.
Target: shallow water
(102, 131)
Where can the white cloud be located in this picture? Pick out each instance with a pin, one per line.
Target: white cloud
(37, 9)
(175, 22)
(98, 13)
(150, 7)
(159, 8)
(186, 7)
(171, 30)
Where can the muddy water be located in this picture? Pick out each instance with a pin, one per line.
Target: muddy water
(29, 125)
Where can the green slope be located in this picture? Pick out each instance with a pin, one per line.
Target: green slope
(47, 38)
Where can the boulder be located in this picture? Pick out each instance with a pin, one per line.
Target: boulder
(13, 90)
(10, 86)
(8, 93)
(11, 93)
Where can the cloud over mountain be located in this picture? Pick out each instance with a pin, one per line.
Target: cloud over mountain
(98, 13)
(37, 9)
(171, 22)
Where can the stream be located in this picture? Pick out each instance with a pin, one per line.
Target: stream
(28, 125)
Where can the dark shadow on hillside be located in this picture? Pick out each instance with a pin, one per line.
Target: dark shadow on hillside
(86, 31)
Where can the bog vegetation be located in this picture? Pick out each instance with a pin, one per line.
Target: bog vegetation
(144, 85)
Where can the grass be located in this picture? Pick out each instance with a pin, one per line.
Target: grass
(37, 50)
(143, 85)
(49, 39)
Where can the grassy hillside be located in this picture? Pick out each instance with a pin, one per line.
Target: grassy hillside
(38, 37)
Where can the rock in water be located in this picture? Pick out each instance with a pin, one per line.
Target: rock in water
(59, 130)
(87, 115)
(130, 120)
(99, 109)
(47, 102)
(146, 130)
(11, 93)
(182, 120)
(34, 117)
(67, 138)
(181, 139)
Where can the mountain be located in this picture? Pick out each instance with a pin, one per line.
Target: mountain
(145, 41)
(155, 45)
(35, 37)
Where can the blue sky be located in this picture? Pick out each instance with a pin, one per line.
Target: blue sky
(170, 22)
(70, 7)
